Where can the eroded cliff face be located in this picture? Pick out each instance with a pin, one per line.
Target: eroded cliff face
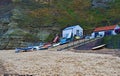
(5, 2)
(23, 22)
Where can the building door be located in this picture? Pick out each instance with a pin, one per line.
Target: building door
(78, 32)
(96, 34)
(107, 33)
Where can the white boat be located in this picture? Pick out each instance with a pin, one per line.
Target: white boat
(98, 47)
(56, 44)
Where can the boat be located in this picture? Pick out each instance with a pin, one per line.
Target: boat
(57, 44)
(98, 47)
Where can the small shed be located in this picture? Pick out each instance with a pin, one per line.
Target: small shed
(72, 31)
(105, 31)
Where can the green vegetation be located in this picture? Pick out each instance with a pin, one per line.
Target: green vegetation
(66, 13)
(50, 37)
(32, 15)
(112, 41)
(31, 38)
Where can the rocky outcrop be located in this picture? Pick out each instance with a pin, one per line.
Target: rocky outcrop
(5, 2)
(12, 42)
(21, 23)
(12, 37)
(101, 3)
(5, 10)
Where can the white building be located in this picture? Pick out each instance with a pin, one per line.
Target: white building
(105, 31)
(72, 31)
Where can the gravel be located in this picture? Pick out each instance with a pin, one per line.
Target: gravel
(59, 63)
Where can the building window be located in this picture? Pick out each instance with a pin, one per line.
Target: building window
(107, 33)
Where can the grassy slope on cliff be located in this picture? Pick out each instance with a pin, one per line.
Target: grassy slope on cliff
(66, 13)
(55, 15)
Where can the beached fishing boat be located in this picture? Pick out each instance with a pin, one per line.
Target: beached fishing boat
(98, 47)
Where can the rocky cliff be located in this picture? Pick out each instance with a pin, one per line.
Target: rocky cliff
(23, 22)
(101, 3)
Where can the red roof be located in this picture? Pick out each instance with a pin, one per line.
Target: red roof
(105, 28)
